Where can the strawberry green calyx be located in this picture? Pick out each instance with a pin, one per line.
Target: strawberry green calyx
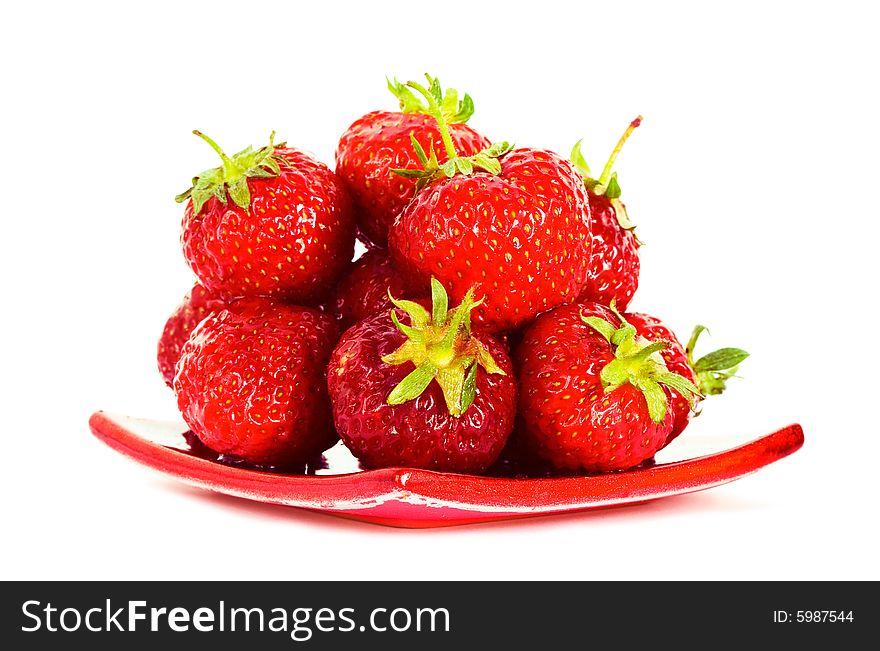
(607, 185)
(233, 175)
(442, 349)
(638, 362)
(713, 369)
(486, 160)
(454, 111)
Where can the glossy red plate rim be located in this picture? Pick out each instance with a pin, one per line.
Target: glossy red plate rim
(414, 498)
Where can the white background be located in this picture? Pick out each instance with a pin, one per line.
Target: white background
(753, 180)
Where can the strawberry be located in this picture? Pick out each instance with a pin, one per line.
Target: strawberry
(272, 222)
(251, 382)
(709, 373)
(512, 224)
(363, 290)
(380, 141)
(429, 393)
(614, 251)
(197, 304)
(594, 393)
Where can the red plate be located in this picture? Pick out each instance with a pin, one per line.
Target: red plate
(406, 497)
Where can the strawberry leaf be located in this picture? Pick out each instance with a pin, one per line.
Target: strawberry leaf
(413, 385)
(637, 362)
(448, 102)
(484, 357)
(486, 160)
(692, 342)
(409, 103)
(232, 177)
(497, 150)
(409, 174)
(624, 333)
(408, 352)
(469, 391)
(720, 360)
(714, 369)
(454, 111)
(239, 192)
(412, 333)
(441, 347)
(577, 159)
(601, 326)
(682, 385)
(464, 112)
(648, 350)
(655, 397)
(452, 380)
(439, 302)
(420, 151)
(465, 166)
(418, 315)
(612, 190)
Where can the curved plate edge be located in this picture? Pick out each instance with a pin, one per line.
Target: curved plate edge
(413, 498)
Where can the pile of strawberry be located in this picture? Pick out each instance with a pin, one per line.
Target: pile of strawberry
(486, 322)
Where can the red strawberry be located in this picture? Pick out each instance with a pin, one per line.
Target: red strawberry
(516, 229)
(363, 291)
(430, 394)
(197, 304)
(709, 373)
(380, 141)
(614, 256)
(272, 222)
(251, 382)
(594, 393)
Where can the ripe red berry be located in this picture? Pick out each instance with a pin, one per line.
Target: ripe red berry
(594, 393)
(363, 290)
(380, 141)
(196, 305)
(251, 382)
(272, 222)
(423, 393)
(614, 255)
(512, 224)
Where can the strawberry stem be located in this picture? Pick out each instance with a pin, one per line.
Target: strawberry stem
(230, 169)
(605, 177)
(437, 112)
(454, 110)
(486, 160)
